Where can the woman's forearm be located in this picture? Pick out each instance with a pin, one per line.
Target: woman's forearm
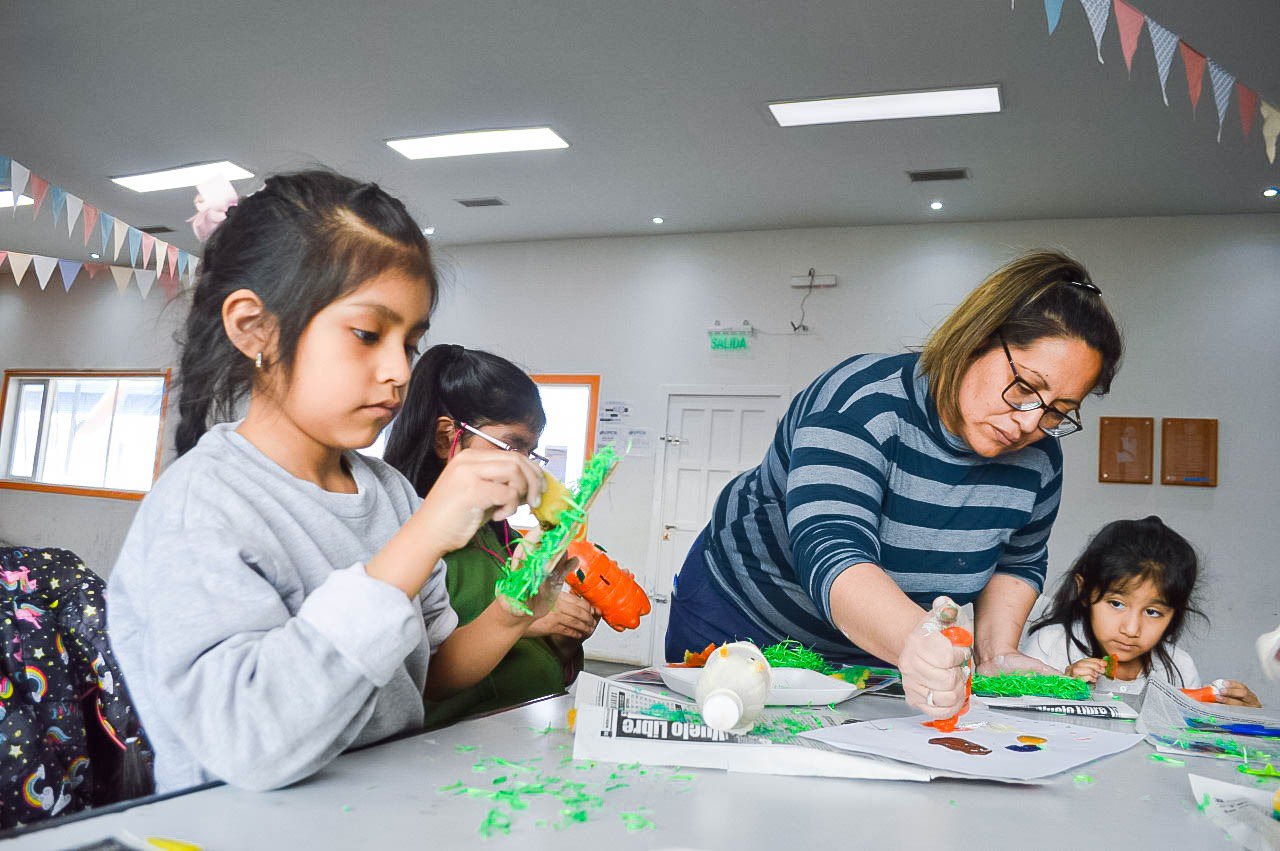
(1000, 614)
(872, 612)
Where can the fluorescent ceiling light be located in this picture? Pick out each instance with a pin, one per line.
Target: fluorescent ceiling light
(935, 205)
(657, 220)
(478, 142)
(6, 199)
(880, 107)
(187, 175)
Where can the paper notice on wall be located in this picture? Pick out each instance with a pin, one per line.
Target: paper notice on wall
(609, 435)
(614, 411)
(638, 441)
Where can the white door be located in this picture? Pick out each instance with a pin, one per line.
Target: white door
(711, 436)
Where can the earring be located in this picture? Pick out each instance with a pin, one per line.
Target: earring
(257, 362)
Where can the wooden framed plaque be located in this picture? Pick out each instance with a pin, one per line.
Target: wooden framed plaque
(1189, 452)
(1125, 449)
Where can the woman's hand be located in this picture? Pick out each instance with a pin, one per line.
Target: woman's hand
(1087, 669)
(571, 616)
(475, 487)
(1234, 693)
(1014, 662)
(934, 671)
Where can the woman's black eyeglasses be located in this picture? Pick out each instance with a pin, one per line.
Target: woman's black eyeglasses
(540, 460)
(1021, 396)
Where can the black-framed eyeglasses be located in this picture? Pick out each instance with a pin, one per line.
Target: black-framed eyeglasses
(540, 460)
(1021, 396)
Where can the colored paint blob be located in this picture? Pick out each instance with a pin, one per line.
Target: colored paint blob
(962, 745)
(1022, 748)
(1032, 740)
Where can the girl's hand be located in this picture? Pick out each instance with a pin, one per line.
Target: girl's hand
(571, 616)
(1236, 693)
(475, 487)
(934, 671)
(1088, 670)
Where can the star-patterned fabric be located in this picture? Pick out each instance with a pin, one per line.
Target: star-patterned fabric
(65, 719)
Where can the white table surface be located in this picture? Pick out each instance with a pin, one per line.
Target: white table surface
(388, 796)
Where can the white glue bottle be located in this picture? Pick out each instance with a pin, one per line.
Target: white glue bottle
(733, 687)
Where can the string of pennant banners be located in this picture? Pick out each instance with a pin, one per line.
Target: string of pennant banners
(151, 260)
(1164, 44)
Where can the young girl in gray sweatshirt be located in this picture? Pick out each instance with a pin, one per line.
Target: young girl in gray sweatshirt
(279, 597)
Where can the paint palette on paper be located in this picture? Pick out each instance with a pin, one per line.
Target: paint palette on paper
(985, 744)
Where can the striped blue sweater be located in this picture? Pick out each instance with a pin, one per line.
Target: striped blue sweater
(862, 470)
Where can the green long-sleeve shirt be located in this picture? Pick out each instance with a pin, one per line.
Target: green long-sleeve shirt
(532, 668)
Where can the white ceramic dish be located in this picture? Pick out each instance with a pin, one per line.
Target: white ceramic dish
(791, 686)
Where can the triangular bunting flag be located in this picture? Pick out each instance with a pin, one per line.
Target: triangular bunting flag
(192, 269)
(90, 221)
(145, 278)
(135, 242)
(161, 248)
(1052, 13)
(121, 230)
(18, 263)
(18, 174)
(1098, 11)
(3, 254)
(6, 165)
(148, 247)
(1163, 43)
(44, 268)
(57, 202)
(122, 274)
(1222, 83)
(183, 260)
(1129, 21)
(105, 223)
(1247, 98)
(94, 269)
(1270, 130)
(169, 284)
(74, 206)
(69, 270)
(172, 253)
(1193, 62)
(39, 189)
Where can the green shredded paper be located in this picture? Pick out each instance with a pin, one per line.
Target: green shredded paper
(520, 584)
(1031, 685)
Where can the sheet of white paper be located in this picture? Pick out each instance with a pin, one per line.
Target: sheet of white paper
(1243, 812)
(1065, 746)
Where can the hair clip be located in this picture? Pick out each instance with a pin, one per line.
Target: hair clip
(213, 200)
(1085, 285)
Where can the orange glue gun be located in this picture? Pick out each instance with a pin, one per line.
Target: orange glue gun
(599, 580)
(959, 637)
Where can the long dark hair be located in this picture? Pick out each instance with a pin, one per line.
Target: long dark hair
(475, 387)
(300, 242)
(1123, 553)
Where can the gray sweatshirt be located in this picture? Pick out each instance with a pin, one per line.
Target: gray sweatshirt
(253, 644)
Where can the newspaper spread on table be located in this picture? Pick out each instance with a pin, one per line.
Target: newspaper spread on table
(622, 722)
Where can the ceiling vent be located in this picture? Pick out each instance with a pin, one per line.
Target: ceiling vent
(155, 229)
(481, 202)
(937, 174)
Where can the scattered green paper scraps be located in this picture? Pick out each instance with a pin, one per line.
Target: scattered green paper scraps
(1083, 780)
(1031, 685)
(518, 585)
(495, 822)
(1167, 760)
(1204, 803)
(671, 713)
(466, 748)
(1267, 770)
(635, 822)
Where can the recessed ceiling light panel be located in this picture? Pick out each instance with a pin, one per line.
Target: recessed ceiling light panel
(478, 142)
(187, 175)
(881, 107)
(6, 199)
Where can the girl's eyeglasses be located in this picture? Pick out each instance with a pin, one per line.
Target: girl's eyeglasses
(1021, 396)
(540, 460)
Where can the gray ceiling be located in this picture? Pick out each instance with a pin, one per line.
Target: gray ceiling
(662, 102)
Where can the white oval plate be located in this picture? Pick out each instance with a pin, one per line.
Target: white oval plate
(791, 686)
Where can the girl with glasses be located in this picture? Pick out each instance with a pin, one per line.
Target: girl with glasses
(465, 399)
(897, 485)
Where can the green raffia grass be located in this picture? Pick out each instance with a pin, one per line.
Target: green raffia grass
(793, 654)
(1031, 685)
(520, 584)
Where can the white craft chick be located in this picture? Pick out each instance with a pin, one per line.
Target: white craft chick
(733, 687)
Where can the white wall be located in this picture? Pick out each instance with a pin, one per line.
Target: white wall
(1199, 297)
